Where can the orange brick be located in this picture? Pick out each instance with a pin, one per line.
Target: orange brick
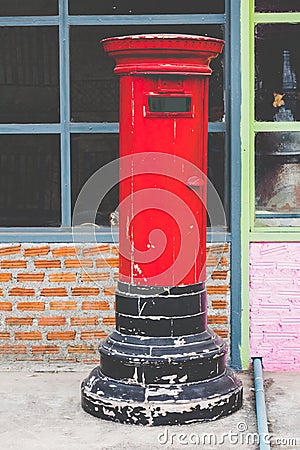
(116, 276)
(85, 335)
(51, 321)
(5, 306)
(31, 306)
(21, 292)
(63, 306)
(80, 349)
(45, 349)
(80, 321)
(222, 333)
(5, 277)
(90, 361)
(218, 248)
(64, 251)
(1, 292)
(110, 290)
(28, 335)
(13, 264)
(71, 360)
(96, 276)
(31, 276)
(37, 251)
(19, 321)
(85, 291)
(47, 263)
(13, 250)
(77, 263)
(109, 321)
(219, 304)
(224, 261)
(217, 319)
(115, 250)
(107, 262)
(61, 335)
(4, 335)
(96, 250)
(95, 306)
(16, 349)
(219, 275)
(62, 277)
(54, 292)
(217, 289)
(211, 261)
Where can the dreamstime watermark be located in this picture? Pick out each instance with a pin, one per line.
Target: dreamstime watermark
(129, 169)
(241, 437)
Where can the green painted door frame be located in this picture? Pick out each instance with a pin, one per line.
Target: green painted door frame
(249, 127)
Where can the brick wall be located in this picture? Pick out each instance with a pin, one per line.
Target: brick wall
(275, 304)
(57, 301)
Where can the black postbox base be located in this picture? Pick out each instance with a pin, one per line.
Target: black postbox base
(162, 365)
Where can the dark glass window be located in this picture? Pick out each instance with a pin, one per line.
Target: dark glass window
(217, 167)
(90, 152)
(94, 87)
(277, 6)
(28, 7)
(277, 72)
(277, 178)
(29, 181)
(29, 77)
(138, 7)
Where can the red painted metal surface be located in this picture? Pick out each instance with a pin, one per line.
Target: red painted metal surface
(163, 150)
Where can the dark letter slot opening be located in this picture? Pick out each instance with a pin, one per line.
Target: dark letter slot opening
(169, 104)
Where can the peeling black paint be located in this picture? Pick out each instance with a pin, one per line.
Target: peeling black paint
(163, 305)
(150, 405)
(161, 368)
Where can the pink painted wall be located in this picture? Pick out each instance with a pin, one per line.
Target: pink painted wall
(275, 304)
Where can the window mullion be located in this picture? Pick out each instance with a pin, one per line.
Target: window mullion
(155, 19)
(64, 64)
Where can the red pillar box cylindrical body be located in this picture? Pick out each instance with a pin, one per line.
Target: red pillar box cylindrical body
(163, 115)
(161, 344)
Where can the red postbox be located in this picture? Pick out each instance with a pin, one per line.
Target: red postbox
(162, 350)
(163, 112)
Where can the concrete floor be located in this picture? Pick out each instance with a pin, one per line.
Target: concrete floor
(41, 410)
(283, 407)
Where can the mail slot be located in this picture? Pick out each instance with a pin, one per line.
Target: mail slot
(169, 104)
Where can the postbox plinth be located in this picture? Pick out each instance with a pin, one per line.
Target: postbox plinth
(160, 374)
(162, 364)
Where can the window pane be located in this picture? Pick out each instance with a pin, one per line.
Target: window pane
(277, 72)
(138, 7)
(95, 88)
(216, 167)
(29, 181)
(277, 6)
(278, 178)
(29, 74)
(28, 7)
(90, 152)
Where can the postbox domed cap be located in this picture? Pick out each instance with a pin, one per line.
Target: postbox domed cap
(163, 53)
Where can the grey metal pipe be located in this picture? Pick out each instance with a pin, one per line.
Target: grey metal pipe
(261, 411)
